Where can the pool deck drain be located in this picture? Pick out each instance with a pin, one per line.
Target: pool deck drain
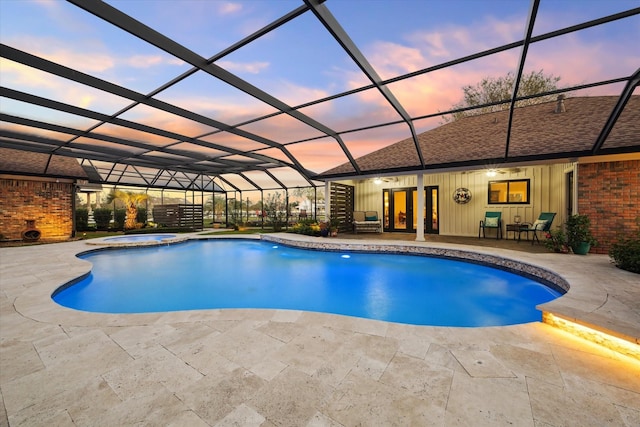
(277, 367)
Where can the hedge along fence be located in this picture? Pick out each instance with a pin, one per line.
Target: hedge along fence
(82, 219)
(102, 216)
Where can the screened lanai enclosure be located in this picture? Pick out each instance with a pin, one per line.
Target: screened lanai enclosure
(234, 105)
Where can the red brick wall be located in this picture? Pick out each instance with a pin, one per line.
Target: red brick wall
(48, 202)
(609, 193)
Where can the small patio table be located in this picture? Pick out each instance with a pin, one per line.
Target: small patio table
(516, 228)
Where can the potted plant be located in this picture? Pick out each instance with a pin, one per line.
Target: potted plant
(557, 241)
(324, 229)
(579, 236)
(334, 223)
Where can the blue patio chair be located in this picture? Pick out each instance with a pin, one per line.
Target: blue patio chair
(491, 220)
(541, 225)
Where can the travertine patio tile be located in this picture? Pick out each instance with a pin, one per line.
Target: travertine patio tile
(309, 351)
(93, 349)
(246, 347)
(137, 340)
(547, 402)
(206, 360)
(39, 386)
(155, 369)
(286, 315)
(291, 398)
(620, 373)
(16, 326)
(214, 398)
(321, 420)
(369, 327)
(488, 402)
(242, 416)
(58, 418)
(337, 365)
(369, 367)
(529, 363)
(413, 340)
(482, 364)
(375, 347)
(425, 380)
(185, 336)
(601, 412)
(160, 409)
(619, 396)
(283, 331)
(221, 325)
(18, 358)
(361, 398)
(630, 417)
(84, 405)
(268, 369)
(441, 356)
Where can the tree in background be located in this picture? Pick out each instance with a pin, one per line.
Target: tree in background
(497, 89)
(276, 210)
(131, 201)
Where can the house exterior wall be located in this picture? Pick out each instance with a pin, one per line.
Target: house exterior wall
(48, 202)
(609, 194)
(547, 192)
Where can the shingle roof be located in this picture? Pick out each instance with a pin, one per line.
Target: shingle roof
(30, 163)
(537, 131)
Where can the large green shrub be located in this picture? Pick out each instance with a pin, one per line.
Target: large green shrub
(626, 252)
(82, 219)
(102, 216)
(119, 216)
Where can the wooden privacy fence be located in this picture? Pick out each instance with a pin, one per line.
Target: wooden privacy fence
(180, 216)
(342, 201)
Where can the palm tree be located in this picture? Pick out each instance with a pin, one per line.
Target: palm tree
(131, 201)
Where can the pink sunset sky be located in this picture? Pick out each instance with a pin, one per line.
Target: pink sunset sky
(300, 62)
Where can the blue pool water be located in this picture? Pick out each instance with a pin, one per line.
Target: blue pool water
(255, 274)
(140, 238)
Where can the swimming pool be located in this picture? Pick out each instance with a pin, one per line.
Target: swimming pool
(219, 274)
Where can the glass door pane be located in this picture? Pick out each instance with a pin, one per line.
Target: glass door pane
(400, 210)
(433, 201)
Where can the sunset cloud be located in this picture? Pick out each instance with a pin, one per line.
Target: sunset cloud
(229, 8)
(247, 67)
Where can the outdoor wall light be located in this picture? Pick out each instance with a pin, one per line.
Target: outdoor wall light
(377, 181)
(491, 172)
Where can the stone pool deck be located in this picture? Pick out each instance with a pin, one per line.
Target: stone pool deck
(291, 368)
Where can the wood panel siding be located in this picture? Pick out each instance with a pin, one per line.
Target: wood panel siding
(547, 194)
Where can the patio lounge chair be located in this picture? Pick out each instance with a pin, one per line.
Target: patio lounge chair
(541, 225)
(491, 220)
(366, 221)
